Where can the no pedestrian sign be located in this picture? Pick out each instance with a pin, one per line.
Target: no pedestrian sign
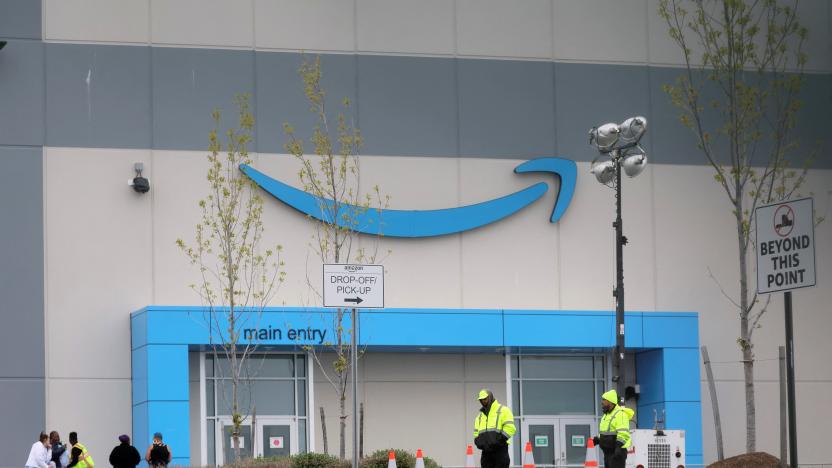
(354, 286)
(785, 246)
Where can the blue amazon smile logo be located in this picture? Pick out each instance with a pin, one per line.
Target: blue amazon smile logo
(429, 223)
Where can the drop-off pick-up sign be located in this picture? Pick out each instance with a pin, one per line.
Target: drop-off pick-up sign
(354, 286)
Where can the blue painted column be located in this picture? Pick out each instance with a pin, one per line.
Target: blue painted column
(670, 383)
(160, 394)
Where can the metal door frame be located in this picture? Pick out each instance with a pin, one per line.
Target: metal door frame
(256, 434)
(219, 434)
(591, 421)
(540, 420)
(290, 421)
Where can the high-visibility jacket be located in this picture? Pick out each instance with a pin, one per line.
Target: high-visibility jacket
(500, 419)
(85, 459)
(616, 424)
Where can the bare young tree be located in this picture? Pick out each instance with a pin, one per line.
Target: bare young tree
(331, 173)
(751, 65)
(239, 276)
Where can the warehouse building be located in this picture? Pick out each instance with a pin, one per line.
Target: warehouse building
(103, 335)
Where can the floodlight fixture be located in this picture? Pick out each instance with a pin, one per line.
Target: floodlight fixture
(634, 161)
(604, 171)
(604, 137)
(631, 131)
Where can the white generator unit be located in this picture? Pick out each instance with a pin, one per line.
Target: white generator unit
(656, 449)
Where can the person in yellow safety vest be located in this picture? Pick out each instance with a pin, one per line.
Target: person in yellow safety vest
(493, 429)
(80, 457)
(614, 431)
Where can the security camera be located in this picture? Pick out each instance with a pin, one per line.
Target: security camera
(139, 183)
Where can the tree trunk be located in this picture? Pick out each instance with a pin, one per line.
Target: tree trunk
(342, 429)
(323, 431)
(745, 332)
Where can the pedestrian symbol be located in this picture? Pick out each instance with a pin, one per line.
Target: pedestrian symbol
(783, 220)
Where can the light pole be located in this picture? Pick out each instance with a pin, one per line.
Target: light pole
(618, 147)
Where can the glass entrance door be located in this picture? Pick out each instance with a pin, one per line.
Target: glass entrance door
(277, 436)
(542, 434)
(271, 437)
(557, 441)
(575, 433)
(225, 444)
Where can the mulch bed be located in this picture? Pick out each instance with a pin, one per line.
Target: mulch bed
(749, 460)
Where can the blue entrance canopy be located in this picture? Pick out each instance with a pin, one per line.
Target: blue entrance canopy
(666, 346)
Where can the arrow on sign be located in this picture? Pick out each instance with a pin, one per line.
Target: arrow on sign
(357, 300)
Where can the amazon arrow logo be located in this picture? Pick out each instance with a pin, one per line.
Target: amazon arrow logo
(429, 223)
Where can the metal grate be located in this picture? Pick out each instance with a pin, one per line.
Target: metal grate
(658, 455)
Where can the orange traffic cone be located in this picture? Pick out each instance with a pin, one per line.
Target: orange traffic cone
(469, 457)
(391, 462)
(591, 454)
(528, 457)
(420, 462)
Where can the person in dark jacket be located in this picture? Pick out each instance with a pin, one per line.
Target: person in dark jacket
(124, 455)
(59, 451)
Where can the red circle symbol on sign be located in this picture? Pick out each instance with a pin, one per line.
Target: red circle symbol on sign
(783, 220)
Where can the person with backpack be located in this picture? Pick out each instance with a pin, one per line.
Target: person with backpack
(158, 454)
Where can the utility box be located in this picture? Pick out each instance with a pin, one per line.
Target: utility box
(656, 449)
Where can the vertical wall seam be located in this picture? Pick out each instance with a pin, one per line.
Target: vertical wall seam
(149, 22)
(648, 31)
(558, 262)
(554, 35)
(45, 264)
(652, 182)
(45, 231)
(355, 29)
(254, 28)
(458, 143)
(152, 129)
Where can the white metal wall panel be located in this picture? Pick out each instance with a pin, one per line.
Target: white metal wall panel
(97, 409)
(305, 25)
(96, 20)
(600, 30)
(220, 23)
(505, 29)
(403, 26)
(98, 260)
(508, 262)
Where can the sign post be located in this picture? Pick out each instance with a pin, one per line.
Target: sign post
(786, 261)
(347, 286)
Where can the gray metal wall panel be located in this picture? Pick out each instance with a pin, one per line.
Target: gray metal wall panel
(97, 96)
(589, 95)
(24, 416)
(506, 108)
(815, 119)
(21, 93)
(415, 106)
(21, 257)
(20, 19)
(280, 96)
(671, 142)
(188, 84)
(408, 105)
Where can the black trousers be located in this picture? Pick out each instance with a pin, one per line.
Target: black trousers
(615, 458)
(495, 458)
